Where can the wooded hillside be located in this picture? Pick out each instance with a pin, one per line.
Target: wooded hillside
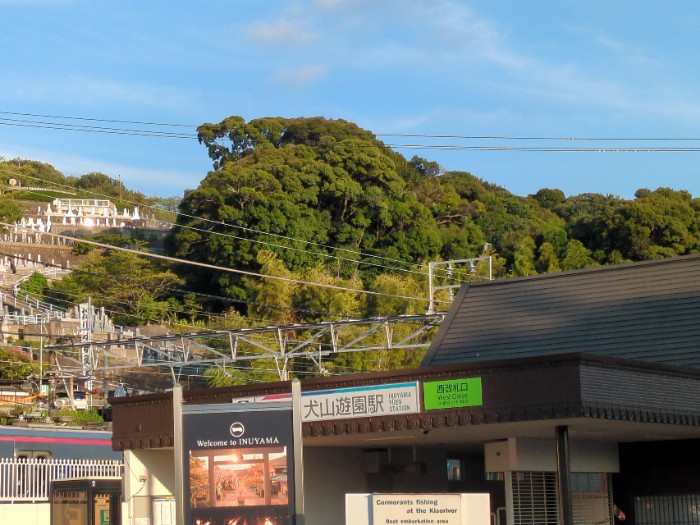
(325, 199)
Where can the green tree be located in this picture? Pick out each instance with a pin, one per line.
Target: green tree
(657, 224)
(549, 198)
(334, 298)
(10, 211)
(34, 285)
(300, 188)
(525, 258)
(548, 262)
(577, 256)
(397, 295)
(126, 284)
(272, 298)
(15, 363)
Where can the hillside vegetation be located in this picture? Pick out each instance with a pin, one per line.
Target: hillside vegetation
(325, 211)
(325, 200)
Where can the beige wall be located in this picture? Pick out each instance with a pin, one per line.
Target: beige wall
(26, 514)
(329, 474)
(148, 474)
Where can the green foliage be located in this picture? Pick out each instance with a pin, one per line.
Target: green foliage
(133, 287)
(317, 183)
(393, 295)
(548, 261)
(80, 417)
(312, 201)
(15, 363)
(334, 299)
(525, 258)
(577, 256)
(81, 248)
(34, 285)
(218, 377)
(549, 199)
(10, 210)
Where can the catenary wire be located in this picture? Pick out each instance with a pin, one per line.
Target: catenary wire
(180, 292)
(229, 270)
(254, 241)
(408, 135)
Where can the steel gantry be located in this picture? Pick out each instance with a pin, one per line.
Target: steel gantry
(192, 352)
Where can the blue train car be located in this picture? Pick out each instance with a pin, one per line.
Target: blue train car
(55, 443)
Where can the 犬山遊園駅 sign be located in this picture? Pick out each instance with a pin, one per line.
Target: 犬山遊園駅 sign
(342, 403)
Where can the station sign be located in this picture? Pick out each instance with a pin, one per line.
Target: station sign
(452, 393)
(347, 403)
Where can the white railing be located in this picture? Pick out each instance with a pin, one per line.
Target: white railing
(46, 311)
(29, 479)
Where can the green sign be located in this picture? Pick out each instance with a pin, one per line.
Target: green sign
(453, 393)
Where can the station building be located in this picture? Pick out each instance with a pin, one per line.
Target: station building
(568, 397)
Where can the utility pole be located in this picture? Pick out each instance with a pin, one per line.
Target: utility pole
(445, 278)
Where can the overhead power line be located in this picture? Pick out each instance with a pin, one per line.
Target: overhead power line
(228, 270)
(91, 119)
(180, 292)
(570, 139)
(546, 149)
(258, 232)
(94, 129)
(58, 123)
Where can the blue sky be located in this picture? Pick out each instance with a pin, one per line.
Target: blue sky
(559, 69)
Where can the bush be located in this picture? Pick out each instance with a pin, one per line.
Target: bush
(81, 417)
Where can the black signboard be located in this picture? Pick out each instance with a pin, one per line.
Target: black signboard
(238, 465)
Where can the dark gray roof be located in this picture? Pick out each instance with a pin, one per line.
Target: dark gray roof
(648, 311)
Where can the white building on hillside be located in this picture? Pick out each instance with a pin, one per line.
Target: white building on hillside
(85, 213)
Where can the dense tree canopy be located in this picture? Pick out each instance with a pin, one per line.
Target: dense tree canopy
(343, 227)
(315, 185)
(320, 195)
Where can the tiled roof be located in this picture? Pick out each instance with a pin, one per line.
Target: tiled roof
(648, 311)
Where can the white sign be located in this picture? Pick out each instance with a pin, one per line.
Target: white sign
(388, 509)
(345, 403)
(417, 509)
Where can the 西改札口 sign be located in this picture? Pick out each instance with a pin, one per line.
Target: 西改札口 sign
(453, 393)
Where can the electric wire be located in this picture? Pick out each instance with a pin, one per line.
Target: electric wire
(381, 134)
(229, 270)
(95, 129)
(253, 241)
(442, 147)
(91, 119)
(201, 314)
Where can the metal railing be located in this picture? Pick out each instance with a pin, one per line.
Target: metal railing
(29, 479)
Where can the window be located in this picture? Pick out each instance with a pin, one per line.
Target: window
(454, 470)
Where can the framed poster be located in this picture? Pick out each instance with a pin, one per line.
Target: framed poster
(238, 465)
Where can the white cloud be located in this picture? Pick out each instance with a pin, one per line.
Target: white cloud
(628, 53)
(299, 77)
(282, 31)
(93, 92)
(145, 180)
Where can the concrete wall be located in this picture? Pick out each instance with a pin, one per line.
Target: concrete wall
(329, 474)
(25, 514)
(540, 455)
(149, 474)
